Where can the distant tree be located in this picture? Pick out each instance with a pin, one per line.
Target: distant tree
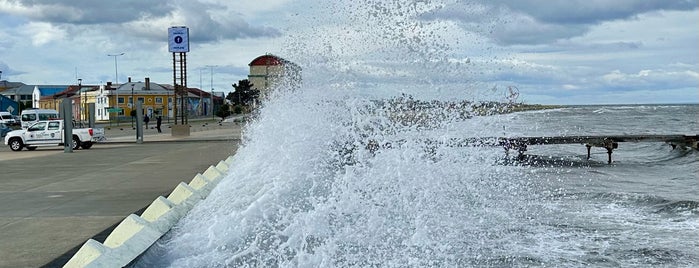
(244, 94)
(238, 109)
(223, 112)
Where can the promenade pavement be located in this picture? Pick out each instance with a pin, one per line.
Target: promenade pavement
(52, 201)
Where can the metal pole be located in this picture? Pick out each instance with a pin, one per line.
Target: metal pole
(116, 81)
(173, 104)
(201, 96)
(183, 87)
(83, 114)
(132, 106)
(139, 123)
(67, 109)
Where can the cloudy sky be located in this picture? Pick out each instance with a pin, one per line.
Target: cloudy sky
(553, 52)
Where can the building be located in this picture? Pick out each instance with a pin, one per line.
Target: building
(156, 99)
(8, 105)
(28, 96)
(53, 102)
(269, 71)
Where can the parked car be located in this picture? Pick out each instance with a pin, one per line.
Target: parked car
(7, 118)
(31, 116)
(4, 129)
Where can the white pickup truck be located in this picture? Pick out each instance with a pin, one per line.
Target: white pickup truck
(50, 133)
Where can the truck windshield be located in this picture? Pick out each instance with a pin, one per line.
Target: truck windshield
(38, 126)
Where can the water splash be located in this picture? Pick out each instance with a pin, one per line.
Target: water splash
(344, 171)
(306, 189)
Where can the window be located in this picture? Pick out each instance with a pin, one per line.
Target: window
(159, 100)
(47, 116)
(120, 100)
(141, 100)
(54, 125)
(37, 126)
(28, 117)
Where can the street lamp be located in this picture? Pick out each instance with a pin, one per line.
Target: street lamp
(116, 80)
(80, 85)
(212, 90)
(132, 107)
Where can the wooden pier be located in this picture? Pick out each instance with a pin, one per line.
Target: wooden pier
(609, 142)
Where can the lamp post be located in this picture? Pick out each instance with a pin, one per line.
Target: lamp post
(116, 81)
(132, 107)
(202, 112)
(83, 115)
(212, 91)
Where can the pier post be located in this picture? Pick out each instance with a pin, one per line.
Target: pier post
(588, 150)
(610, 145)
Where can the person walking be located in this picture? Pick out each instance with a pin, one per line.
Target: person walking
(158, 122)
(145, 120)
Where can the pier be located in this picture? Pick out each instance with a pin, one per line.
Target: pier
(609, 142)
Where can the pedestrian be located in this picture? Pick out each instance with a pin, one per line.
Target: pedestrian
(158, 121)
(145, 120)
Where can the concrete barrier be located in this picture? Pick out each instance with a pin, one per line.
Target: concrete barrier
(201, 184)
(182, 193)
(222, 166)
(88, 253)
(135, 234)
(213, 174)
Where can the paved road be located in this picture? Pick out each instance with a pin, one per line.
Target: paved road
(52, 201)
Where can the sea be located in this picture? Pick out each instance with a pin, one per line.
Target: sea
(344, 182)
(354, 166)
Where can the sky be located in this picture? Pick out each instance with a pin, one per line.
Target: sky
(551, 52)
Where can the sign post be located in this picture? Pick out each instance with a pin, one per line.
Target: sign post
(178, 43)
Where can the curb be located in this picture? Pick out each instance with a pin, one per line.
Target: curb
(135, 234)
(170, 140)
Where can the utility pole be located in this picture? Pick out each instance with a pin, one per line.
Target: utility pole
(116, 81)
(212, 88)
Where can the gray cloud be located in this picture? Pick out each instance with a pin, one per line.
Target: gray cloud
(590, 12)
(135, 17)
(543, 21)
(93, 12)
(199, 16)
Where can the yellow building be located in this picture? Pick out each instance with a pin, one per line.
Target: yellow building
(121, 101)
(111, 102)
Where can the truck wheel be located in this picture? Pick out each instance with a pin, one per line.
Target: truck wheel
(16, 144)
(76, 143)
(86, 145)
(31, 148)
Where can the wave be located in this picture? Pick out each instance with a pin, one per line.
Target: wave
(653, 203)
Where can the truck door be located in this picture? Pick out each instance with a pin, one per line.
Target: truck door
(35, 133)
(45, 133)
(53, 132)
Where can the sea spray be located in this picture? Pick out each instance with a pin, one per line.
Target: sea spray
(306, 189)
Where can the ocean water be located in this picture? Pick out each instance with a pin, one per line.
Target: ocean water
(343, 172)
(305, 190)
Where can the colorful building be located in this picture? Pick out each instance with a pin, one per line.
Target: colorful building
(269, 71)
